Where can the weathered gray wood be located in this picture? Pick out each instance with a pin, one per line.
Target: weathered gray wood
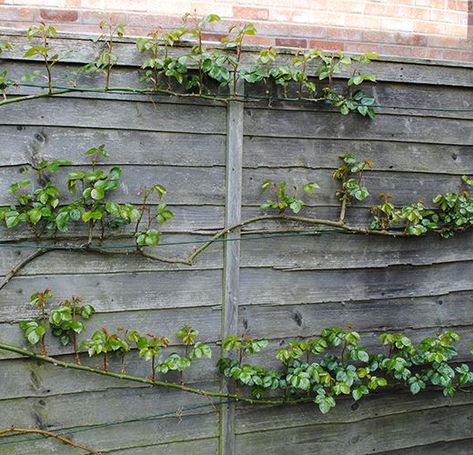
(103, 114)
(142, 148)
(60, 262)
(231, 269)
(27, 378)
(274, 287)
(178, 149)
(119, 413)
(330, 250)
(336, 250)
(460, 447)
(399, 99)
(118, 292)
(164, 322)
(385, 156)
(204, 446)
(289, 287)
(205, 186)
(191, 186)
(392, 432)
(404, 187)
(306, 124)
(197, 447)
(283, 321)
(378, 405)
(190, 219)
(388, 95)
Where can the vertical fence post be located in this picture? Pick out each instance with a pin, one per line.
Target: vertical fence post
(231, 259)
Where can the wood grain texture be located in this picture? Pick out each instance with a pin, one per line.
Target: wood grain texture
(279, 288)
(231, 259)
(126, 115)
(307, 124)
(22, 143)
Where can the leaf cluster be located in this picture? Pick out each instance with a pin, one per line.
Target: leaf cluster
(283, 199)
(46, 209)
(323, 368)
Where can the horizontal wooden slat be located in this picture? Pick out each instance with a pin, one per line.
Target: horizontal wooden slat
(377, 405)
(385, 156)
(162, 322)
(118, 292)
(392, 432)
(459, 447)
(406, 99)
(283, 321)
(204, 446)
(191, 186)
(26, 378)
(267, 286)
(157, 408)
(405, 188)
(335, 250)
(187, 219)
(21, 144)
(204, 186)
(127, 115)
(196, 447)
(64, 262)
(281, 251)
(305, 124)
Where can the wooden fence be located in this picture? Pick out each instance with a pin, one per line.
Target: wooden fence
(212, 158)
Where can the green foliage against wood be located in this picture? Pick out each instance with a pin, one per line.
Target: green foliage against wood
(196, 72)
(319, 369)
(47, 212)
(44, 211)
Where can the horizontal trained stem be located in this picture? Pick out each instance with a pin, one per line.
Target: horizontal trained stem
(190, 259)
(12, 431)
(18, 99)
(143, 380)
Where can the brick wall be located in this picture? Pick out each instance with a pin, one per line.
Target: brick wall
(432, 29)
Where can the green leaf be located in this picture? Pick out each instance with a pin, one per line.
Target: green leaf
(97, 194)
(310, 187)
(359, 391)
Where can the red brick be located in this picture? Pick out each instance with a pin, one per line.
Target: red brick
(263, 41)
(462, 56)
(344, 34)
(364, 22)
(410, 39)
(213, 37)
(453, 17)
(429, 27)
(326, 45)
(434, 29)
(361, 48)
(14, 13)
(291, 42)
(290, 29)
(459, 5)
(395, 38)
(449, 42)
(59, 15)
(456, 30)
(402, 51)
(245, 12)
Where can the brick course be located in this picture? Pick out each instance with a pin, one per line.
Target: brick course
(438, 29)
